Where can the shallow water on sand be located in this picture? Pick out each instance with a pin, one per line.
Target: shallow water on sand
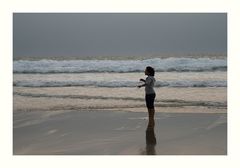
(118, 90)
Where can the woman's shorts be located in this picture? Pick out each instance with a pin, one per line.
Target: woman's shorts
(149, 98)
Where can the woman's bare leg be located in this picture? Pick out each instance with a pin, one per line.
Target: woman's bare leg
(151, 122)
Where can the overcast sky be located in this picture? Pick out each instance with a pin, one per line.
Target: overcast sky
(117, 34)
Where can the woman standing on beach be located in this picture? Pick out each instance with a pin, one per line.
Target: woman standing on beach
(149, 94)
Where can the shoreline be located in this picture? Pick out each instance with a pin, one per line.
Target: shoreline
(181, 100)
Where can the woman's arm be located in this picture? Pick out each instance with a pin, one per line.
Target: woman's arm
(142, 80)
(139, 86)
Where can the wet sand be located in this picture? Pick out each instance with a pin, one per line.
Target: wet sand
(107, 132)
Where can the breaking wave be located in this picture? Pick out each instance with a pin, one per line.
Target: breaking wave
(120, 66)
(42, 83)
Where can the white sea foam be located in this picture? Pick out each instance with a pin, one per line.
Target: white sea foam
(81, 66)
(42, 83)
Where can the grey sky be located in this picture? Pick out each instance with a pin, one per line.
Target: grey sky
(79, 34)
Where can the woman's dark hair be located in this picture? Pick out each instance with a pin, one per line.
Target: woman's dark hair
(150, 70)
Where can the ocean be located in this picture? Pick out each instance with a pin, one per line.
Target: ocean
(183, 84)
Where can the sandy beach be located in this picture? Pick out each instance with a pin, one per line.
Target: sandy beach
(89, 120)
(106, 132)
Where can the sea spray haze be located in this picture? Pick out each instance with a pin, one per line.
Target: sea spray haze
(68, 67)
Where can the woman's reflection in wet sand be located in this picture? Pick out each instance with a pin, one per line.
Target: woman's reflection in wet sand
(150, 141)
